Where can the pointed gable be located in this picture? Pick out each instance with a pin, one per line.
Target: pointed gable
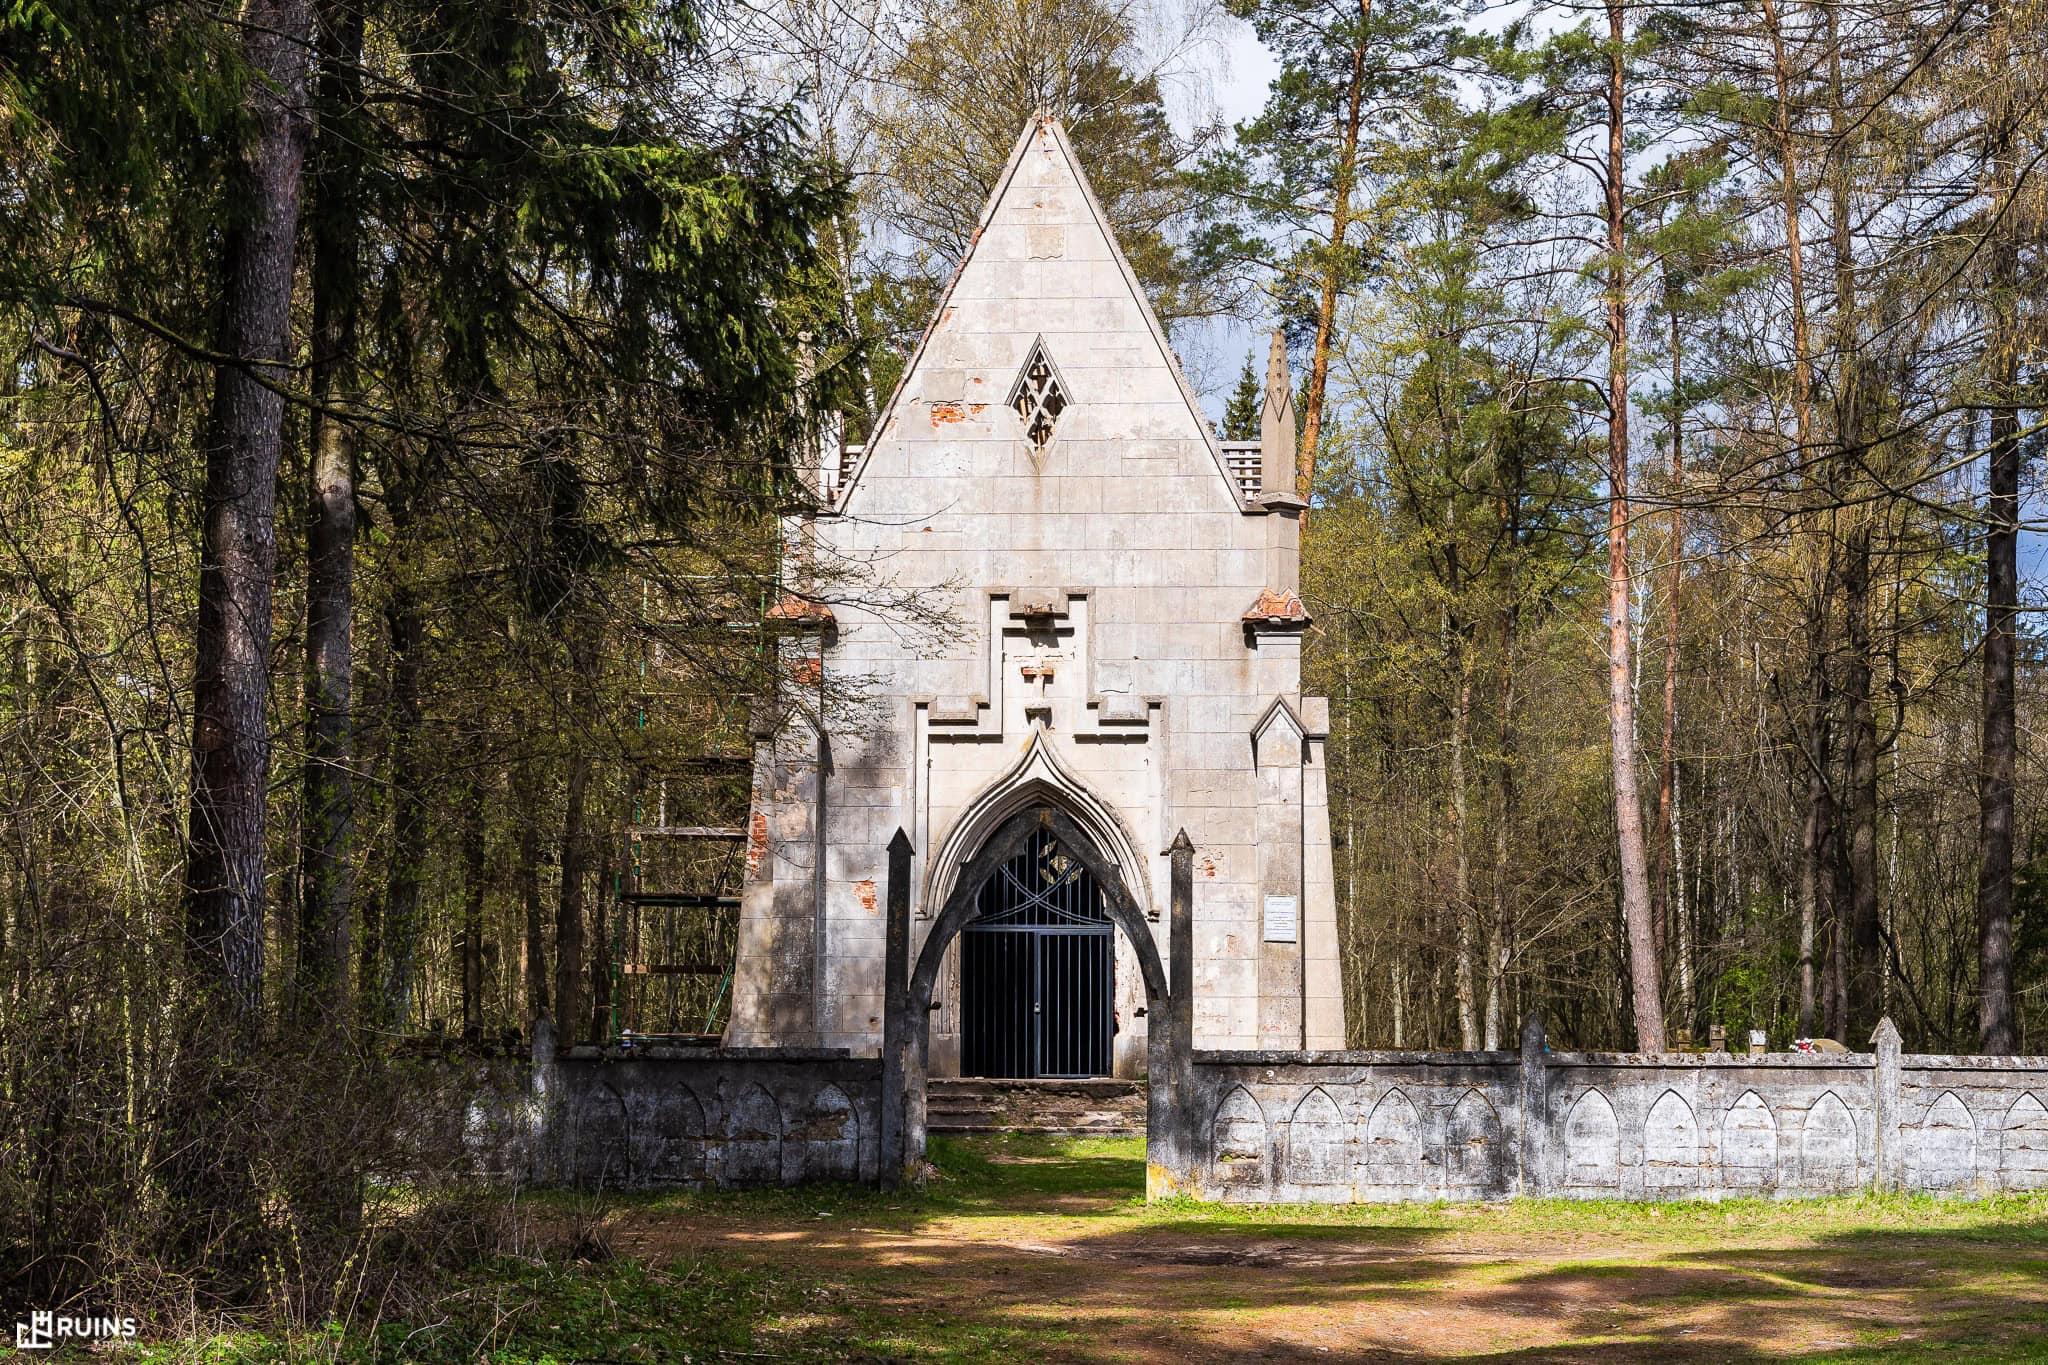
(1043, 349)
(1280, 718)
(1279, 737)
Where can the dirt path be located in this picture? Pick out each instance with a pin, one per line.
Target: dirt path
(1020, 1258)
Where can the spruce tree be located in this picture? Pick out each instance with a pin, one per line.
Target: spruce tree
(1241, 418)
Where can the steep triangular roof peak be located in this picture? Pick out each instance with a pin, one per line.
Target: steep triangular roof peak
(1041, 171)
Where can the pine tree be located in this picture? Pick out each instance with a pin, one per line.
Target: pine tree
(1241, 417)
(244, 441)
(1285, 196)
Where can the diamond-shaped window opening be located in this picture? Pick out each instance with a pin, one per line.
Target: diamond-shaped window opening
(1039, 397)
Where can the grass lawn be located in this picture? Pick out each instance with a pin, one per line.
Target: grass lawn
(1036, 1249)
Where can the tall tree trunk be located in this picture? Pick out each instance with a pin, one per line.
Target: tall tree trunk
(326, 883)
(224, 863)
(405, 878)
(1667, 750)
(1644, 975)
(1795, 255)
(601, 947)
(535, 957)
(1342, 183)
(842, 264)
(1501, 947)
(1866, 987)
(1682, 908)
(1844, 931)
(1816, 877)
(1860, 923)
(1397, 984)
(569, 906)
(1464, 983)
(1995, 1026)
(1817, 835)
(474, 867)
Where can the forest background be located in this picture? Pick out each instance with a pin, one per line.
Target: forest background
(405, 406)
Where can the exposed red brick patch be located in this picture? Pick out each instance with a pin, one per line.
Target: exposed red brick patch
(1208, 866)
(1277, 608)
(865, 892)
(808, 671)
(955, 412)
(757, 843)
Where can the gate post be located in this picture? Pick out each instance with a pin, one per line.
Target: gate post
(1534, 1095)
(899, 1055)
(1889, 1172)
(1169, 1123)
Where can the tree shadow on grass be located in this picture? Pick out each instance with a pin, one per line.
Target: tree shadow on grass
(1293, 1292)
(1279, 1290)
(520, 1311)
(972, 1270)
(1850, 1296)
(958, 1273)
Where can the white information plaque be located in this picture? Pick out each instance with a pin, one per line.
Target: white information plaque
(1282, 919)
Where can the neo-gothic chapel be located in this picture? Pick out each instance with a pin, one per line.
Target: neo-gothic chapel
(1128, 659)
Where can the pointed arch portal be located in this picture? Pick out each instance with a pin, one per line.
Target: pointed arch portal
(1017, 836)
(906, 1044)
(1038, 968)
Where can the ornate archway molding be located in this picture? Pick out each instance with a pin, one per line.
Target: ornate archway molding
(1004, 844)
(1037, 778)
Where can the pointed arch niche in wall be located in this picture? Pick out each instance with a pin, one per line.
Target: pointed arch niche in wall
(1036, 778)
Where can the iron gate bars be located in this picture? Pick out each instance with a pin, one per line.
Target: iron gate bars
(1037, 968)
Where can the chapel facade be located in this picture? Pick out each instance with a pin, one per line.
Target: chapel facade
(1126, 652)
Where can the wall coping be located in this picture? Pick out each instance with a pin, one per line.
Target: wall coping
(1798, 1061)
(1934, 1061)
(1284, 1057)
(793, 1056)
(1795, 1061)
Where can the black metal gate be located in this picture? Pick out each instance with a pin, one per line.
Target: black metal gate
(1037, 970)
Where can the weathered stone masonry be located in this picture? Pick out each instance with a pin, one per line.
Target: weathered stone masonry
(1347, 1127)
(1333, 1127)
(1337, 1127)
(1128, 652)
(696, 1117)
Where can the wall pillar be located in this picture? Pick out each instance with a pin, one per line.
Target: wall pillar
(898, 1157)
(1890, 1172)
(1279, 749)
(1535, 1107)
(1170, 1121)
(541, 1102)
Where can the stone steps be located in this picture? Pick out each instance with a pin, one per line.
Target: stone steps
(1095, 1105)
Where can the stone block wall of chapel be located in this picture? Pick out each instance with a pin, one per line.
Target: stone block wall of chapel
(1126, 509)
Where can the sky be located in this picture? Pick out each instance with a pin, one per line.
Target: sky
(1232, 75)
(1247, 69)
(1234, 71)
